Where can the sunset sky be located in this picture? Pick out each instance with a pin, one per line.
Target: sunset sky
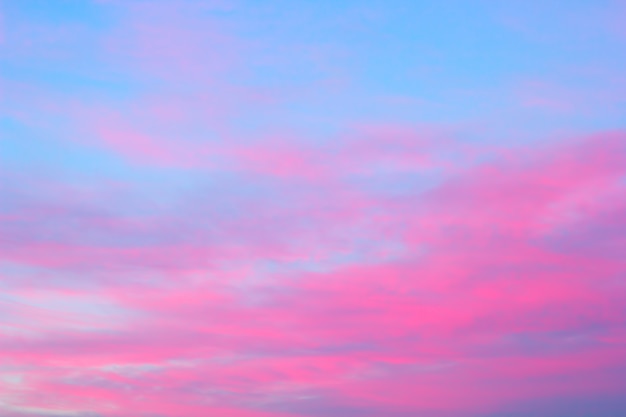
(312, 208)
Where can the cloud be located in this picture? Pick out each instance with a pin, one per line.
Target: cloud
(183, 250)
(493, 298)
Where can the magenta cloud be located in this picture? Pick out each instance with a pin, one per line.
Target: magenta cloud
(506, 277)
(201, 216)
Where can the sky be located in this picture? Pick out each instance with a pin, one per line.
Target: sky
(330, 208)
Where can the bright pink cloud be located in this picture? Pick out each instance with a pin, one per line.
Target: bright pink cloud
(193, 221)
(489, 301)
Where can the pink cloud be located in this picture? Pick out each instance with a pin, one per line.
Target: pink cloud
(214, 264)
(162, 39)
(486, 303)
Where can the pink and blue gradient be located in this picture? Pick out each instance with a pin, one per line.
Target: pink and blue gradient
(312, 208)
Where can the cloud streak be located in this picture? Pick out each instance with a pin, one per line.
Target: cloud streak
(493, 284)
(168, 247)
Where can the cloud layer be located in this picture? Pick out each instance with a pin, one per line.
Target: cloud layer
(167, 248)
